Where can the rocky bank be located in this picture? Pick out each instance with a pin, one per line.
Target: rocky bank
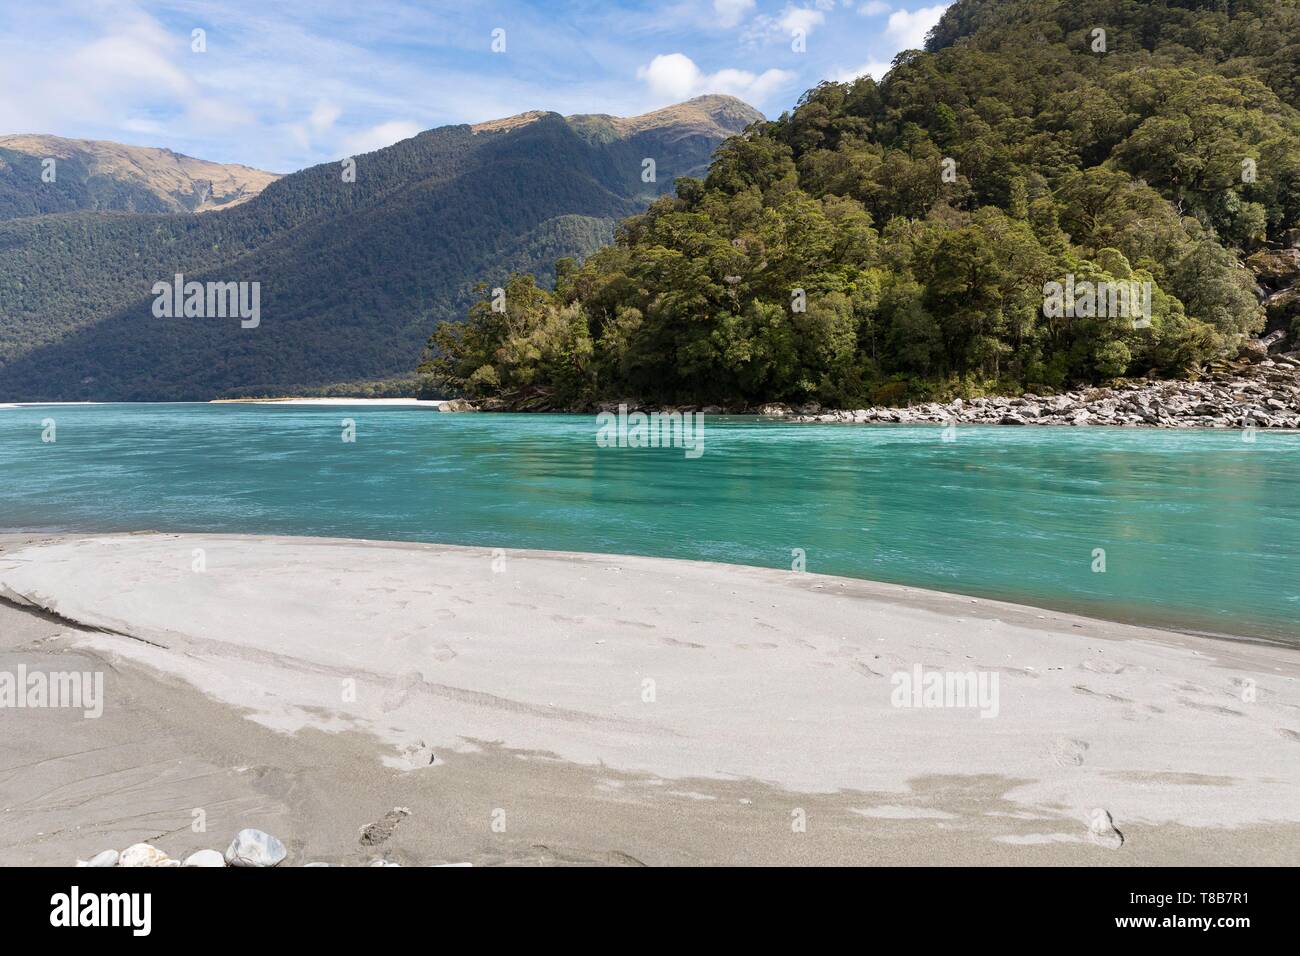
(1263, 392)
(1256, 389)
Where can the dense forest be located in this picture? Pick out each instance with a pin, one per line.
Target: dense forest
(353, 275)
(891, 241)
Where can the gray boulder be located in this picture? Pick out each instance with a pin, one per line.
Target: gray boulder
(255, 848)
(457, 405)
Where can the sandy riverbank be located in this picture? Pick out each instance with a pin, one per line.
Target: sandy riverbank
(614, 709)
(417, 402)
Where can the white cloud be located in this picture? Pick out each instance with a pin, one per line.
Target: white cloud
(731, 12)
(874, 8)
(782, 27)
(910, 27)
(675, 77)
(121, 69)
(800, 18)
(319, 123)
(872, 68)
(377, 137)
(323, 117)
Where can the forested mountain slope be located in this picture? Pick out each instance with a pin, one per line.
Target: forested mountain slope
(896, 240)
(353, 274)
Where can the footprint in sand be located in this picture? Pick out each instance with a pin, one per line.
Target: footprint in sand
(1210, 708)
(399, 690)
(673, 642)
(373, 834)
(1089, 692)
(1068, 752)
(1099, 665)
(864, 670)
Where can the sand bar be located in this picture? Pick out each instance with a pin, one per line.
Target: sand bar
(694, 708)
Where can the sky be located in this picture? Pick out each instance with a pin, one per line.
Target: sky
(284, 84)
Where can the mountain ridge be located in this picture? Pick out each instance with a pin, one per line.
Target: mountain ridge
(116, 176)
(353, 276)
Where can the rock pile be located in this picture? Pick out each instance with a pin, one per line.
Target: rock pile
(249, 848)
(1251, 391)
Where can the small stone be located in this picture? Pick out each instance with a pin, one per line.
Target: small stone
(1101, 830)
(255, 848)
(142, 854)
(205, 858)
(107, 858)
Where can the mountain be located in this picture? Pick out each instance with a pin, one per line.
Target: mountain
(90, 174)
(352, 276)
(900, 241)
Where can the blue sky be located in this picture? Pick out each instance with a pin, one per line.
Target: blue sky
(287, 83)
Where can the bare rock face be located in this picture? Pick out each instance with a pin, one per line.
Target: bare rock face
(1283, 306)
(1253, 351)
(773, 409)
(1273, 339)
(1276, 268)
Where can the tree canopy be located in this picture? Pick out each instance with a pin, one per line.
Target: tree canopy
(890, 240)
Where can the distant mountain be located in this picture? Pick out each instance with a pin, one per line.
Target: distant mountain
(90, 174)
(352, 275)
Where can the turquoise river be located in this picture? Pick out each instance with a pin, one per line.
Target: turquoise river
(1199, 530)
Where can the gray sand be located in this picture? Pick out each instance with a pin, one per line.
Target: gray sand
(506, 709)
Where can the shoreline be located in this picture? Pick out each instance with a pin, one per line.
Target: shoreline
(1263, 634)
(1257, 390)
(771, 693)
(1260, 392)
(404, 402)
